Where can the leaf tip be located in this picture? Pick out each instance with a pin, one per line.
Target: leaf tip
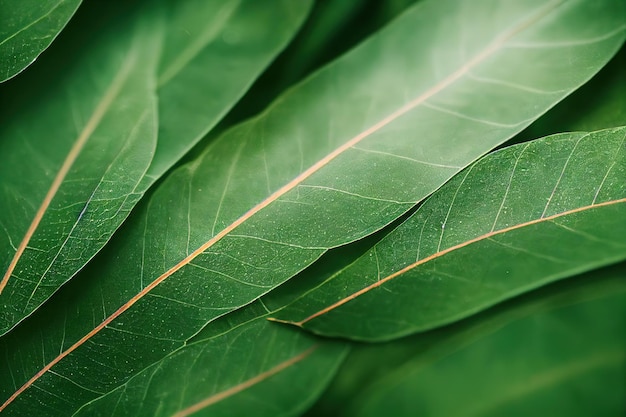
(292, 323)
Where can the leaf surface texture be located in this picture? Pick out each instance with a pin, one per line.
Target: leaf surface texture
(63, 199)
(28, 28)
(331, 161)
(517, 219)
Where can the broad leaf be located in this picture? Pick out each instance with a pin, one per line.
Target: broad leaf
(371, 367)
(62, 208)
(566, 362)
(248, 368)
(28, 27)
(330, 162)
(518, 218)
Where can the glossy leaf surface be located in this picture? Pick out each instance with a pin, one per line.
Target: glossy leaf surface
(28, 28)
(569, 361)
(106, 174)
(518, 218)
(333, 160)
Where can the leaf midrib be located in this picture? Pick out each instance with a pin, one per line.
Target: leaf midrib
(441, 253)
(220, 396)
(498, 42)
(91, 125)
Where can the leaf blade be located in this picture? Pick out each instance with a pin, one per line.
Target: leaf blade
(87, 226)
(281, 376)
(371, 368)
(580, 346)
(102, 126)
(577, 198)
(228, 40)
(226, 272)
(28, 29)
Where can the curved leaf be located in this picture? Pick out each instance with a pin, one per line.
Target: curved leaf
(597, 105)
(71, 164)
(251, 368)
(518, 218)
(331, 161)
(65, 206)
(373, 366)
(571, 363)
(28, 28)
(212, 52)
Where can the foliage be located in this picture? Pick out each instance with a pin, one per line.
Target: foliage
(218, 207)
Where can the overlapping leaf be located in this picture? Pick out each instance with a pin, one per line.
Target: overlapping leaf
(370, 368)
(72, 159)
(248, 368)
(212, 52)
(518, 218)
(333, 160)
(569, 361)
(597, 105)
(97, 159)
(27, 29)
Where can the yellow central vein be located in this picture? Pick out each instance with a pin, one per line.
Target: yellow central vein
(497, 44)
(246, 384)
(86, 133)
(440, 254)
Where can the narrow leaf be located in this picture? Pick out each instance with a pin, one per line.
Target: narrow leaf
(517, 219)
(253, 368)
(71, 164)
(94, 183)
(28, 28)
(330, 162)
(212, 52)
(371, 367)
(566, 362)
(599, 104)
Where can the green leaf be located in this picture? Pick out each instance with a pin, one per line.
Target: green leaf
(212, 52)
(250, 368)
(333, 160)
(599, 104)
(28, 28)
(568, 361)
(517, 219)
(370, 366)
(65, 205)
(72, 159)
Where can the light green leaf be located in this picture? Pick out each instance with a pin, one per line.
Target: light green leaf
(212, 52)
(333, 160)
(565, 362)
(72, 159)
(599, 104)
(331, 29)
(97, 161)
(27, 28)
(517, 219)
(250, 368)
